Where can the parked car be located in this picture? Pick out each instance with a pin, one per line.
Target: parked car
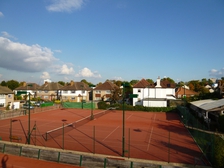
(37, 104)
(26, 106)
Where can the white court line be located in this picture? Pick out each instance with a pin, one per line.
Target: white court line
(150, 139)
(129, 116)
(111, 133)
(154, 117)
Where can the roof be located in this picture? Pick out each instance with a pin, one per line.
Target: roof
(183, 91)
(51, 86)
(5, 90)
(76, 86)
(106, 86)
(167, 84)
(209, 104)
(28, 86)
(143, 84)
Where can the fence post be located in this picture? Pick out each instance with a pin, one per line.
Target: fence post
(59, 154)
(38, 156)
(20, 151)
(80, 161)
(105, 163)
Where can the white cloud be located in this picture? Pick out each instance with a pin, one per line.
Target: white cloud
(7, 35)
(1, 14)
(216, 73)
(24, 58)
(65, 5)
(85, 72)
(45, 75)
(64, 70)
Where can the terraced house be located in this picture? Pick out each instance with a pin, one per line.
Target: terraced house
(75, 92)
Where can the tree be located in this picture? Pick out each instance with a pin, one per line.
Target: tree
(3, 83)
(12, 84)
(118, 83)
(115, 95)
(168, 79)
(62, 83)
(150, 80)
(133, 82)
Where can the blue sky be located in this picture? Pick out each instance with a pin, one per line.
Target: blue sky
(65, 40)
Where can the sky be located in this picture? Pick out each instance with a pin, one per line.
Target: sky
(64, 40)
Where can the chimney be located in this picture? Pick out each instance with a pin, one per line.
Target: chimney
(158, 82)
(24, 84)
(72, 83)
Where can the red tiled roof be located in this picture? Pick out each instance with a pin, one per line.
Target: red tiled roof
(142, 84)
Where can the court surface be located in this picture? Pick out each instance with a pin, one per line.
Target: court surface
(151, 136)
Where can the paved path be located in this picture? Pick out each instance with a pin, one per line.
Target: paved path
(24, 162)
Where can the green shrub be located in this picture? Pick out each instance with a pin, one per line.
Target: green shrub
(103, 105)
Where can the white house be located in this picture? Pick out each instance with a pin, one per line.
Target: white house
(153, 95)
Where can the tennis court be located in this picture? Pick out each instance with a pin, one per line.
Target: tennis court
(151, 136)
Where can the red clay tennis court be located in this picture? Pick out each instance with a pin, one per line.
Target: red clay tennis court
(151, 136)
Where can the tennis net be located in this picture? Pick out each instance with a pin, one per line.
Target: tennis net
(69, 127)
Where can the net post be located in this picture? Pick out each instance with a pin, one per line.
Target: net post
(63, 137)
(94, 139)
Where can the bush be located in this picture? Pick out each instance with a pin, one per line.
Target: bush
(103, 105)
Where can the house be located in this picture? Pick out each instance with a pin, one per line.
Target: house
(210, 89)
(104, 91)
(49, 91)
(26, 89)
(154, 95)
(184, 91)
(205, 107)
(6, 97)
(75, 92)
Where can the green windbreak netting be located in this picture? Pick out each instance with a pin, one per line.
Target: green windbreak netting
(47, 104)
(84, 105)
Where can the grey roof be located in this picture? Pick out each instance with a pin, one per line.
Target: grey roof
(209, 104)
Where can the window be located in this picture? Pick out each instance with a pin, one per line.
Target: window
(98, 91)
(46, 91)
(83, 91)
(108, 91)
(72, 91)
(1, 104)
(9, 96)
(139, 90)
(73, 98)
(65, 91)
